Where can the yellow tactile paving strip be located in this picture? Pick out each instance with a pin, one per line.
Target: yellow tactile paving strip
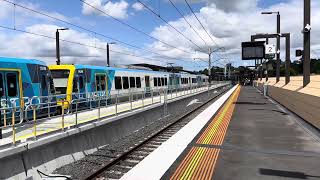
(200, 162)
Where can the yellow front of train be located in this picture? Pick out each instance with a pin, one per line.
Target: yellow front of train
(63, 76)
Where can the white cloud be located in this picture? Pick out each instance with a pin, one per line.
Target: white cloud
(29, 46)
(137, 6)
(229, 26)
(115, 9)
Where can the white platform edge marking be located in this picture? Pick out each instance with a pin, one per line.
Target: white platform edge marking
(159, 161)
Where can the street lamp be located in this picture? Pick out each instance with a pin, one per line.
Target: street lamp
(108, 52)
(278, 43)
(58, 44)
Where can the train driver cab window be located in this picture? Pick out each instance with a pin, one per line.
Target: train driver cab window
(12, 85)
(118, 82)
(132, 82)
(155, 82)
(138, 82)
(159, 81)
(1, 86)
(165, 81)
(60, 80)
(162, 81)
(125, 81)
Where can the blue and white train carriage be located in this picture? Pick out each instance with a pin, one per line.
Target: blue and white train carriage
(73, 81)
(23, 82)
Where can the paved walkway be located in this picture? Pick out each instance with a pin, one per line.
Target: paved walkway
(250, 138)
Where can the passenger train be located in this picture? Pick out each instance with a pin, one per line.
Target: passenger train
(86, 80)
(25, 83)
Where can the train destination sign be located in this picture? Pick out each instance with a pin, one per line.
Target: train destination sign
(253, 50)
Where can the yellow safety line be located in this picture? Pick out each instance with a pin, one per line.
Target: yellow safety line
(195, 160)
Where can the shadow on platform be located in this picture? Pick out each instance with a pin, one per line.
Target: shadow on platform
(286, 174)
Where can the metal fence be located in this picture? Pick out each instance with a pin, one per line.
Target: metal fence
(28, 118)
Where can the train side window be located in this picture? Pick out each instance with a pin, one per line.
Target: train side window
(103, 82)
(43, 82)
(138, 82)
(75, 85)
(159, 81)
(165, 81)
(155, 82)
(97, 83)
(125, 81)
(162, 81)
(118, 82)
(52, 90)
(81, 83)
(132, 82)
(12, 85)
(1, 86)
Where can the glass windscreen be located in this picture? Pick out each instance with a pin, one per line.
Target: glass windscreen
(60, 80)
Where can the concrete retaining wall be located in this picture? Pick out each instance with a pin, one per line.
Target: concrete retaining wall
(61, 149)
(304, 105)
(303, 101)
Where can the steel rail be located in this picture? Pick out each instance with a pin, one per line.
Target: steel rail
(128, 152)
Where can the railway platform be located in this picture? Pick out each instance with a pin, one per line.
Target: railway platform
(243, 135)
(28, 132)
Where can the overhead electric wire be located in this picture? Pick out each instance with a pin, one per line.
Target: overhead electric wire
(86, 29)
(159, 16)
(78, 43)
(194, 14)
(187, 21)
(132, 27)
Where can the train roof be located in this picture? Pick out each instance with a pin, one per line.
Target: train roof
(22, 61)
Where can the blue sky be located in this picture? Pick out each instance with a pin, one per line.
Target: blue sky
(143, 20)
(211, 15)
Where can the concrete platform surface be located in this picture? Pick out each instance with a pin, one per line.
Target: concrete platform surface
(250, 137)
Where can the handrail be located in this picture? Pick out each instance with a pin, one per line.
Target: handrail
(97, 100)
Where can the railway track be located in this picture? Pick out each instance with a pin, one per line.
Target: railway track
(124, 162)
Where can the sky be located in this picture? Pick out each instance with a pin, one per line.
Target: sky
(141, 36)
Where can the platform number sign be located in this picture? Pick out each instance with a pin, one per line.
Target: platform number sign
(270, 51)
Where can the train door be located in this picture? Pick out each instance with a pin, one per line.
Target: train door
(79, 90)
(3, 99)
(102, 87)
(44, 80)
(101, 84)
(11, 87)
(147, 80)
(82, 85)
(10, 92)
